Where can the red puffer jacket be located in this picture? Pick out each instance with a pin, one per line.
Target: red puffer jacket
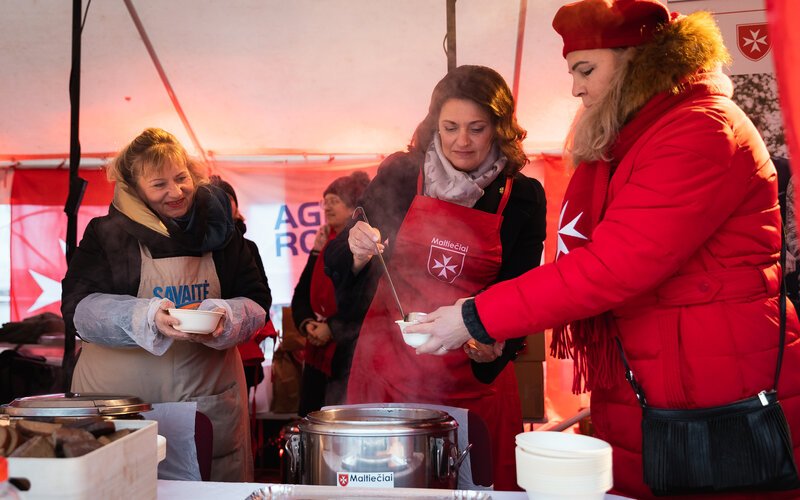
(685, 259)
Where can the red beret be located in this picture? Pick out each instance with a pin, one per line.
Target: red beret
(606, 24)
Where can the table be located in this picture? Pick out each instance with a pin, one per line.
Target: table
(196, 490)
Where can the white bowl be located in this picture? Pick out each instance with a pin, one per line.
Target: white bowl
(194, 321)
(577, 486)
(416, 339)
(562, 466)
(413, 339)
(557, 466)
(562, 444)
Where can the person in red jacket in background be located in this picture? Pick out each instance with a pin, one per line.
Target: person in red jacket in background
(327, 365)
(250, 350)
(669, 238)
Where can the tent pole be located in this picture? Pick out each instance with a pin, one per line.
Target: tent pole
(77, 185)
(451, 35)
(523, 14)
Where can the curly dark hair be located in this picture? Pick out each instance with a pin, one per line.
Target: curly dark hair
(489, 90)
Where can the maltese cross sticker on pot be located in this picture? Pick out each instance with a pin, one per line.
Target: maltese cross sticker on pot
(445, 264)
(753, 40)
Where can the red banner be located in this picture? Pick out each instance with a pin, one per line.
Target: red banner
(38, 234)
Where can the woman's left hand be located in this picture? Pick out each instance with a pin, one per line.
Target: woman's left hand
(220, 326)
(446, 327)
(319, 333)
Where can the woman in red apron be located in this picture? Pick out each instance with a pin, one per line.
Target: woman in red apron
(327, 354)
(452, 216)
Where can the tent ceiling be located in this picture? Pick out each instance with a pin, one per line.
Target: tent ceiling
(256, 76)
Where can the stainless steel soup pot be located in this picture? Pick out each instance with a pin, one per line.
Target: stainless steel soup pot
(377, 446)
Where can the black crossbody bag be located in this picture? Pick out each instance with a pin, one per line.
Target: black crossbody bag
(741, 446)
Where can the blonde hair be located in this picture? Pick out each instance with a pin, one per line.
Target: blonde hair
(678, 54)
(149, 153)
(594, 130)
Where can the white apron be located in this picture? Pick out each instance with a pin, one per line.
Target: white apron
(188, 371)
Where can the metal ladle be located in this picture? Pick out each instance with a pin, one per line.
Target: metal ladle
(383, 263)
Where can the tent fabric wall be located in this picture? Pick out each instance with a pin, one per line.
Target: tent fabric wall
(38, 231)
(261, 76)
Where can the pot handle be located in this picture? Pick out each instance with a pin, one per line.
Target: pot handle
(455, 463)
(292, 449)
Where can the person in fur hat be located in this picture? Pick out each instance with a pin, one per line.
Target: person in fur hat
(670, 236)
(327, 354)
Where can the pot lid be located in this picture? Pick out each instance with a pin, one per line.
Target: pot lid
(74, 405)
(377, 421)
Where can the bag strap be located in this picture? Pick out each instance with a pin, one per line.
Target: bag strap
(637, 389)
(782, 307)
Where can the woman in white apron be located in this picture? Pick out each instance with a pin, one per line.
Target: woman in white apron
(167, 241)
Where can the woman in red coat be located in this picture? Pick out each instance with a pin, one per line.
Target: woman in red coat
(669, 234)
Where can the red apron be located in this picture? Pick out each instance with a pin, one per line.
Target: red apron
(442, 252)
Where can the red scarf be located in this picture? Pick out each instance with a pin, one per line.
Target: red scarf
(323, 303)
(586, 341)
(323, 295)
(590, 341)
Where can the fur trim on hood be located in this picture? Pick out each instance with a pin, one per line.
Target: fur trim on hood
(683, 48)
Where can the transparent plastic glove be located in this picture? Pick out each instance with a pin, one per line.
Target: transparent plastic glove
(243, 317)
(122, 321)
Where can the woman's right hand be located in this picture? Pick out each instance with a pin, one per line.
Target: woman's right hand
(363, 240)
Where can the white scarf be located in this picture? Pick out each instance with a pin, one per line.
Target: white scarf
(446, 183)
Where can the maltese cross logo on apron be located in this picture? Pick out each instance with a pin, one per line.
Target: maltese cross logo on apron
(445, 264)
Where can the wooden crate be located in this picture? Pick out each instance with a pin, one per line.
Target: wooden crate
(126, 468)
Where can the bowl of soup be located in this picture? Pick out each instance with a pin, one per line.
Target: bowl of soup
(195, 321)
(413, 339)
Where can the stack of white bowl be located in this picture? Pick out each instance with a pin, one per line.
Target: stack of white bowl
(563, 466)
